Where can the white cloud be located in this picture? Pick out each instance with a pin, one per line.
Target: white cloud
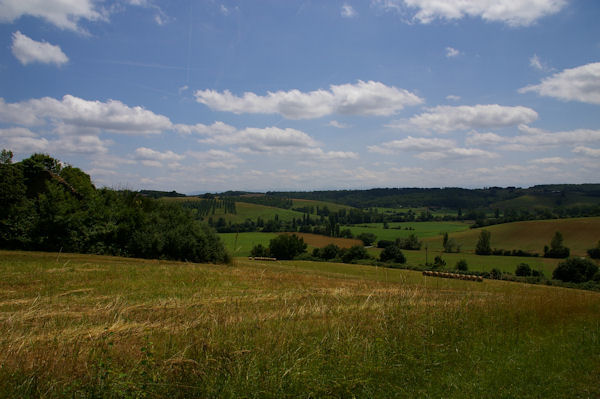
(452, 97)
(74, 114)
(577, 84)
(64, 14)
(362, 98)
(270, 139)
(29, 51)
(412, 144)
(452, 52)
(206, 130)
(443, 119)
(337, 124)
(217, 159)
(533, 139)
(536, 63)
(550, 161)
(510, 12)
(148, 154)
(347, 11)
(22, 140)
(586, 151)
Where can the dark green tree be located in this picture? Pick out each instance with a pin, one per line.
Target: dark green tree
(355, 252)
(576, 270)
(461, 265)
(483, 244)
(367, 238)
(557, 248)
(523, 269)
(286, 246)
(392, 253)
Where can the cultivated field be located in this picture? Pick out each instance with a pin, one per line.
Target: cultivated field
(579, 234)
(90, 326)
(403, 230)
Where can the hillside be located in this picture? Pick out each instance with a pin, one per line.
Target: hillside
(579, 234)
(85, 326)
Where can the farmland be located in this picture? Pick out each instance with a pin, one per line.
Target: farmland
(77, 325)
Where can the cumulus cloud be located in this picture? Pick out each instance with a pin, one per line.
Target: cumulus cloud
(577, 84)
(430, 149)
(443, 119)
(217, 159)
(28, 51)
(532, 139)
(510, 12)
(361, 98)
(64, 14)
(206, 130)
(73, 113)
(337, 124)
(144, 153)
(347, 11)
(536, 63)
(452, 52)
(588, 152)
(22, 140)
(550, 161)
(452, 97)
(412, 144)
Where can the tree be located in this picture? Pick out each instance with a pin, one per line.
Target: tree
(392, 253)
(410, 242)
(523, 269)
(438, 262)
(286, 246)
(557, 249)
(462, 265)
(594, 253)
(367, 238)
(483, 244)
(329, 251)
(259, 251)
(576, 270)
(354, 253)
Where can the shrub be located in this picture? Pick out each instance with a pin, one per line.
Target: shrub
(523, 269)
(411, 242)
(259, 251)
(392, 253)
(384, 243)
(496, 273)
(438, 262)
(353, 253)
(462, 265)
(286, 246)
(367, 238)
(594, 253)
(330, 251)
(576, 270)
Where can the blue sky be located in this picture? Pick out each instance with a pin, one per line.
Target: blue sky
(205, 96)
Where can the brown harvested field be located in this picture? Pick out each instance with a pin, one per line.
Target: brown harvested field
(319, 241)
(579, 234)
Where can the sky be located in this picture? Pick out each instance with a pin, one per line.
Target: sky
(207, 96)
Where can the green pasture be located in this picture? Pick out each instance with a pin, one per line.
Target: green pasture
(241, 244)
(332, 206)
(399, 230)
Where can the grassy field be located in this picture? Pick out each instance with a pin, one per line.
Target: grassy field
(89, 327)
(579, 235)
(246, 241)
(420, 229)
(333, 207)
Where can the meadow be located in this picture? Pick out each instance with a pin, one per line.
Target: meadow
(403, 230)
(89, 326)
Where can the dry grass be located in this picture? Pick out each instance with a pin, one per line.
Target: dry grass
(319, 241)
(79, 324)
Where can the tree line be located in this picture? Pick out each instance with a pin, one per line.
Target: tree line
(49, 206)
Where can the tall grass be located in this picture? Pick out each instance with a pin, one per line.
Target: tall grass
(86, 326)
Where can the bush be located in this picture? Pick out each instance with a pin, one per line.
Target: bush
(354, 253)
(576, 270)
(411, 242)
(594, 253)
(367, 238)
(384, 243)
(330, 251)
(392, 254)
(438, 262)
(286, 246)
(496, 274)
(523, 269)
(462, 265)
(483, 244)
(259, 251)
